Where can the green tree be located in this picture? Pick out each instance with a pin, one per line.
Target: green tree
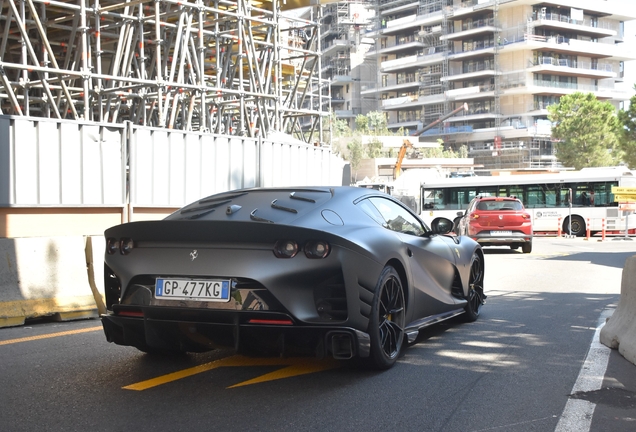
(627, 135)
(374, 148)
(362, 124)
(377, 123)
(586, 130)
(341, 128)
(356, 153)
(463, 151)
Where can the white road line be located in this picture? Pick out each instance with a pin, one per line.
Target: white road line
(577, 415)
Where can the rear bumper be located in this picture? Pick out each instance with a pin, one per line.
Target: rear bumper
(489, 239)
(204, 330)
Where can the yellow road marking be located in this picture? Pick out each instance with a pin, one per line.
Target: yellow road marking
(291, 371)
(50, 335)
(295, 367)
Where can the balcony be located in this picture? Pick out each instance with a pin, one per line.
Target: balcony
(562, 88)
(587, 27)
(344, 113)
(414, 22)
(472, 71)
(569, 67)
(471, 93)
(406, 102)
(412, 62)
(407, 124)
(448, 130)
(473, 28)
(402, 43)
(333, 45)
(475, 49)
(540, 107)
(578, 47)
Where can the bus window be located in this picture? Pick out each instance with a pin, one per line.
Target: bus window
(460, 198)
(435, 199)
(563, 197)
(603, 194)
(488, 191)
(535, 196)
(580, 195)
(516, 191)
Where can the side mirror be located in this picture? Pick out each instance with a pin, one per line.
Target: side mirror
(441, 225)
(461, 213)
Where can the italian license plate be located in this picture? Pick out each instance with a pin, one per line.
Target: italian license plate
(500, 232)
(193, 289)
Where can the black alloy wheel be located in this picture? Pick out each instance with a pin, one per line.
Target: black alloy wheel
(386, 326)
(476, 296)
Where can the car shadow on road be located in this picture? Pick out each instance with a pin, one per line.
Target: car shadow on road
(608, 259)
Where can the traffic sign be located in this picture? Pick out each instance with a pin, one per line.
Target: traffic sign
(624, 194)
(625, 198)
(624, 190)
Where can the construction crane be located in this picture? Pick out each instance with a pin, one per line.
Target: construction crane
(406, 144)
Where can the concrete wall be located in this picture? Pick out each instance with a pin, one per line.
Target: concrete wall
(44, 276)
(620, 330)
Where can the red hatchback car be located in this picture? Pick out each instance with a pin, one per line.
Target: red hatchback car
(497, 221)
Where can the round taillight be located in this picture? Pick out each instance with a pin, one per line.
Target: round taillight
(111, 246)
(317, 249)
(285, 249)
(126, 245)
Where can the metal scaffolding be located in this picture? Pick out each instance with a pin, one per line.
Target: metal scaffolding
(231, 67)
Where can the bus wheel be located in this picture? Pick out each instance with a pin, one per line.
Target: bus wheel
(578, 226)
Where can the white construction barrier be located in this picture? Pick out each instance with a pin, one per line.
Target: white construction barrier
(44, 276)
(620, 330)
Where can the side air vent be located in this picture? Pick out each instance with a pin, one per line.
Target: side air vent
(331, 300)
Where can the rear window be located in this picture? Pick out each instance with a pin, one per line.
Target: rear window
(499, 206)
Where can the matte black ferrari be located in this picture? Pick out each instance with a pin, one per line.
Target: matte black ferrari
(343, 271)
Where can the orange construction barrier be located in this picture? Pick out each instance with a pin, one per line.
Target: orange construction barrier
(603, 227)
(559, 229)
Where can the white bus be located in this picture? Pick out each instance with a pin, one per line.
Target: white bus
(581, 198)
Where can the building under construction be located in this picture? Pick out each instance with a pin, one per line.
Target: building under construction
(507, 59)
(227, 67)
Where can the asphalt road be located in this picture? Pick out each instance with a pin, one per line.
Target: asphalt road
(512, 370)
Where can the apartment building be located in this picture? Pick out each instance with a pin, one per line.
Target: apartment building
(345, 66)
(507, 59)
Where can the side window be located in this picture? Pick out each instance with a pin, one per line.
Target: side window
(372, 211)
(396, 217)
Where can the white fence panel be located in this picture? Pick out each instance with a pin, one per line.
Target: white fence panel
(48, 162)
(174, 168)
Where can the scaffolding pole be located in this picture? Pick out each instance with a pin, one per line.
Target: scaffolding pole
(235, 67)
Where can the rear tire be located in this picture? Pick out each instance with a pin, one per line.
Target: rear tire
(526, 247)
(386, 325)
(476, 296)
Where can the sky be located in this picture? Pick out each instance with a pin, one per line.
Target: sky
(630, 67)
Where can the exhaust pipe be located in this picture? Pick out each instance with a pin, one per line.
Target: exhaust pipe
(342, 346)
